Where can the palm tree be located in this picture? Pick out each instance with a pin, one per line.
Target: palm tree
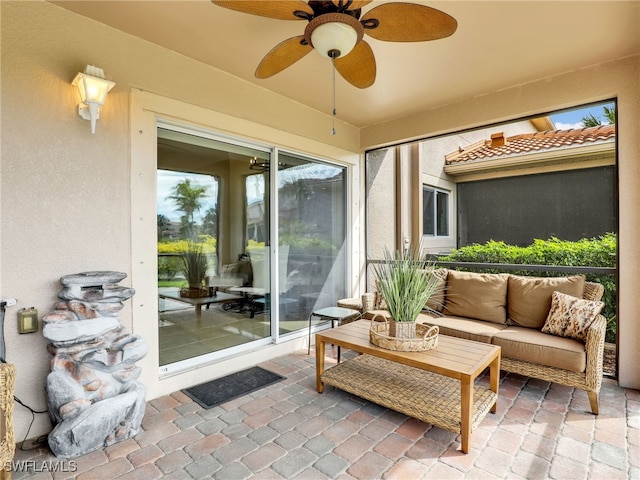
(163, 226)
(210, 222)
(188, 199)
(610, 115)
(592, 121)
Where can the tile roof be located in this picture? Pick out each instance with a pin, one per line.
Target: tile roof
(499, 146)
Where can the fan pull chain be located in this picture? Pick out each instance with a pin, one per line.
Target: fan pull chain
(333, 118)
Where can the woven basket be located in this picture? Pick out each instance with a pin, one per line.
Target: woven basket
(426, 337)
(7, 440)
(194, 292)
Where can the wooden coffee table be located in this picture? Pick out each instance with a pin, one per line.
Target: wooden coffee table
(436, 386)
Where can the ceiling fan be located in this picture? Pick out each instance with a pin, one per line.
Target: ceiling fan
(336, 29)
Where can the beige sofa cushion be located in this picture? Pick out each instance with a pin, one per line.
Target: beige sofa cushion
(529, 298)
(476, 330)
(533, 346)
(482, 296)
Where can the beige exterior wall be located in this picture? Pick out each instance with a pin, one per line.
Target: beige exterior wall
(618, 79)
(432, 160)
(71, 201)
(420, 163)
(381, 203)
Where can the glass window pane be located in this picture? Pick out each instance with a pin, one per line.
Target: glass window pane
(312, 236)
(256, 230)
(428, 208)
(210, 218)
(443, 214)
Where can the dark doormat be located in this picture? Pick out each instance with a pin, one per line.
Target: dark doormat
(232, 386)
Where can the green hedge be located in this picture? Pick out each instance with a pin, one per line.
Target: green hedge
(169, 252)
(593, 252)
(207, 242)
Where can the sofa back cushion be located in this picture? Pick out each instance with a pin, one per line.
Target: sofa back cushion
(482, 296)
(529, 298)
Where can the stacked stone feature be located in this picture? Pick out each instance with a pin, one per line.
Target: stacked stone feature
(94, 396)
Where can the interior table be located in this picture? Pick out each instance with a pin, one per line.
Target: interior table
(436, 386)
(174, 294)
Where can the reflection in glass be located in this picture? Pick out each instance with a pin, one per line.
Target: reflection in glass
(312, 236)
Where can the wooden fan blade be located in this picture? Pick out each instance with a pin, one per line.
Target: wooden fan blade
(355, 4)
(282, 56)
(408, 22)
(282, 10)
(359, 67)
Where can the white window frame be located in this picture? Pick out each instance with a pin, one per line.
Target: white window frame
(437, 191)
(439, 243)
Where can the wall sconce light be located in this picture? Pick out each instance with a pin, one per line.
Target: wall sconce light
(93, 88)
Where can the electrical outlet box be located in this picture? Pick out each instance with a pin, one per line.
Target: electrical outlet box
(9, 302)
(27, 320)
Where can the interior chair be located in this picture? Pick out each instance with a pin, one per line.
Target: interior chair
(260, 265)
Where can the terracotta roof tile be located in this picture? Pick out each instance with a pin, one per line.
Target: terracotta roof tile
(524, 143)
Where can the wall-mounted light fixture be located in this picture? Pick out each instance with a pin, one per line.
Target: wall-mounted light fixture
(93, 88)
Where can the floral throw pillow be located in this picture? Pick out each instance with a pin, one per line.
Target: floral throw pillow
(570, 316)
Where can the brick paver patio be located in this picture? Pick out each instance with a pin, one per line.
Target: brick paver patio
(289, 431)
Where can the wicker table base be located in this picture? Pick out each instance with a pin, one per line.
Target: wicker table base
(423, 395)
(436, 386)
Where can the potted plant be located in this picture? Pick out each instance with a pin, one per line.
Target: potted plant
(406, 282)
(193, 265)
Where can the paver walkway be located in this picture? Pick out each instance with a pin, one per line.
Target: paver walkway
(289, 431)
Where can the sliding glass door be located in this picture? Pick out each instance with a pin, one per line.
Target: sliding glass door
(213, 213)
(232, 271)
(311, 238)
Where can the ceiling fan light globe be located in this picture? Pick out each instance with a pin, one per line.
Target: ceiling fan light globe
(334, 39)
(333, 35)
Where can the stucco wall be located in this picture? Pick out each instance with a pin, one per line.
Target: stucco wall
(66, 203)
(381, 203)
(432, 155)
(65, 199)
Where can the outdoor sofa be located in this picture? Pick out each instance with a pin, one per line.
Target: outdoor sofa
(547, 328)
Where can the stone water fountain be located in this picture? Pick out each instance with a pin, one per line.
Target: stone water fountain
(94, 396)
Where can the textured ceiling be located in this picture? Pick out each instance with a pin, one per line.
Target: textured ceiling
(497, 45)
